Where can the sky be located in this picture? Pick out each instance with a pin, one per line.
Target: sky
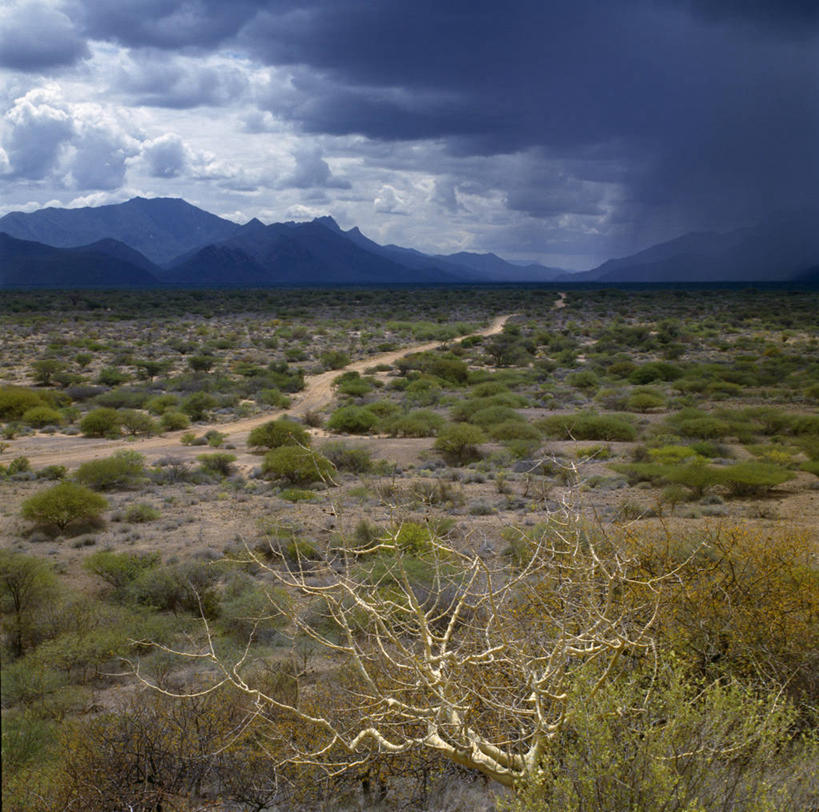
(559, 131)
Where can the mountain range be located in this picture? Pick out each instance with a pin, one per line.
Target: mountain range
(168, 242)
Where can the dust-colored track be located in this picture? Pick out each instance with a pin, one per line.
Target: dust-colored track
(45, 449)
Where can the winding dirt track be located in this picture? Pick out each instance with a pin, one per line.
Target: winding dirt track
(45, 449)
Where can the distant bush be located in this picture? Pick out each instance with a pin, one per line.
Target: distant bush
(19, 465)
(15, 401)
(296, 495)
(174, 421)
(334, 359)
(587, 426)
(417, 423)
(752, 478)
(121, 470)
(39, 416)
(135, 423)
(273, 397)
(277, 433)
(52, 472)
(184, 587)
(296, 465)
(346, 457)
(111, 376)
(219, 463)
(198, 404)
(465, 409)
(655, 371)
(102, 422)
(160, 404)
(63, 504)
(458, 442)
(644, 401)
(352, 420)
(141, 513)
(494, 415)
(120, 569)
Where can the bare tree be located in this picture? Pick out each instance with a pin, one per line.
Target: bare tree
(442, 649)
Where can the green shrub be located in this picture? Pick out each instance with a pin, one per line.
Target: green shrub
(214, 438)
(174, 421)
(184, 587)
(352, 420)
(417, 423)
(121, 470)
(15, 401)
(39, 416)
(120, 569)
(273, 397)
(102, 422)
(458, 442)
(353, 385)
(136, 423)
(52, 472)
(334, 359)
(587, 426)
(644, 401)
(296, 495)
(63, 505)
(198, 404)
(19, 465)
(752, 478)
(141, 513)
(585, 380)
(424, 391)
(672, 454)
(493, 416)
(219, 463)
(465, 409)
(346, 457)
(413, 539)
(655, 371)
(160, 404)
(111, 376)
(296, 465)
(277, 433)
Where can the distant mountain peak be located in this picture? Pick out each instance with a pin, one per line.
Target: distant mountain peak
(327, 222)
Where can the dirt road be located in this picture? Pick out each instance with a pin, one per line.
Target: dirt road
(55, 449)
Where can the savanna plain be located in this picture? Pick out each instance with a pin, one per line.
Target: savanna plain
(480, 548)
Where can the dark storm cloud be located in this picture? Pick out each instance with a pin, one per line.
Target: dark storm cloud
(791, 14)
(673, 114)
(35, 36)
(705, 110)
(162, 23)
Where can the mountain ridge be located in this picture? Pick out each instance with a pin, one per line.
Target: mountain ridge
(169, 242)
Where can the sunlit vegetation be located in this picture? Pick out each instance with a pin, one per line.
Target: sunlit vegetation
(575, 559)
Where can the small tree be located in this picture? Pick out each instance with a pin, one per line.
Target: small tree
(63, 504)
(135, 422)
(444, 653)
(459, 442)
(220, 463)
(103, 422)
(197, 405)
(120, 470)
(297, 465)
(46, 369)
(26, 583)
(277, 433)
